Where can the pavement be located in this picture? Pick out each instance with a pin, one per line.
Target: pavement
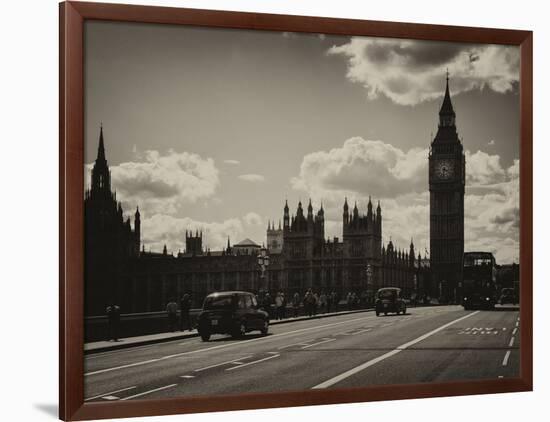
(123, 343)
(428, 344)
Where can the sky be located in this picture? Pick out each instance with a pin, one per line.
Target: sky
(214, 129)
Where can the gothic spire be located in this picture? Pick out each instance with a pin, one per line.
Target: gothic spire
(101, 147)
(447, 106)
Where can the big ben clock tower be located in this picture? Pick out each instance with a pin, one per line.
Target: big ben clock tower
(447, 168)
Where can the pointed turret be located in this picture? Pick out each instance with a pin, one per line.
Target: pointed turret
(101, 147)
(447, 106)
(286, 217)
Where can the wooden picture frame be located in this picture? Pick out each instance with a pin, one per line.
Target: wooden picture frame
(71, 187)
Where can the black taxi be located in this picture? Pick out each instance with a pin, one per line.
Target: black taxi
(388, 299)
(234, 312)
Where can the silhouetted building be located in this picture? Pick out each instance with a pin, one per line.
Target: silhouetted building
(447, 174)
(109, 239)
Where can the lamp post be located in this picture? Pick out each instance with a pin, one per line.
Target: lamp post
(369, 282)
(263, 262)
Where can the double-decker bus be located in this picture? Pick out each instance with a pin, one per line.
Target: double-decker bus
(479, 289)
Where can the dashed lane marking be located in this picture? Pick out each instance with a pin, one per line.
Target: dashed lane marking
(366, 330)
(511, 342)
(110, 393)
(515, 331)
(149, 392)
(253, 362)
(506, 357)
(291, 345)
(326, 340)
(110, 398)
(187, 376)
(223, 363)
(397, 350)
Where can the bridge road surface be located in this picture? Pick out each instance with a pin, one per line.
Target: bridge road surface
(430, 344)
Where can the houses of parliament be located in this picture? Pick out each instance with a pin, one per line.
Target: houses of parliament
(119, 270)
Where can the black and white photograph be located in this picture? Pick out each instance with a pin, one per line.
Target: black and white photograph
(279, 211)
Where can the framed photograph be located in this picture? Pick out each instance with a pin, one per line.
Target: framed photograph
(266, 210)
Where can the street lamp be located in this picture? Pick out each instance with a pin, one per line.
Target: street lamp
(263, 262)
(369, 281)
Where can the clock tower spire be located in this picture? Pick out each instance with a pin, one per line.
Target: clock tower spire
(447, 181)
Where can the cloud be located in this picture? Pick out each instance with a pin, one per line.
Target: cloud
(252, 219)
(161, 229)
(254, 178)
(483, 169)
(232, 162)
(409, 72)
(364, 167)
(164, 182)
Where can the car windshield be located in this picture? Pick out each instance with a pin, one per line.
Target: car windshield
(218, 302)
(387, 294)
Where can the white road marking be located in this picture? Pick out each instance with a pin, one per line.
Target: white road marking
(397, 350)
(500, 376)
(109, 398)
(511, 342)
(290, 345)
(318, 343)
(517, 323)
(253, 362)
(223, 346)
(149, 392)
(110, 392)
(506, 357)
(223, 363)
(187, 376)
(366, 330)
(515, 331)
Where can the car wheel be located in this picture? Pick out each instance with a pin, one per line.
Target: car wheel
(265, 328)
(377, 313)
(385, 314)
(205, 335)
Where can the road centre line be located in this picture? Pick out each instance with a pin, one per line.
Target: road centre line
(506, 357)
(397, 350)
(290, 345)
(223, 346)
(253, 362)
(511, 341)
(318, 343)
(149, 392)
(515, 331)
(110, 392)
(366, 330)
(223, 363)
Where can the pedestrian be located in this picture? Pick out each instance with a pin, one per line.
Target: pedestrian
(350, 301)
(296, 304)
(185, 308)
(279, 304)
(308, 303)
(335, 300)
(322, 302)
(266, 303)
(329, 302)
(113, 319)
(315, 303)
(172, 312)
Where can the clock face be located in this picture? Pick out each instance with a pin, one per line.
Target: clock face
(444, 169)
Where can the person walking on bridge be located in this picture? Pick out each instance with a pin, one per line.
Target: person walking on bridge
(172, 311)
(185, 308)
